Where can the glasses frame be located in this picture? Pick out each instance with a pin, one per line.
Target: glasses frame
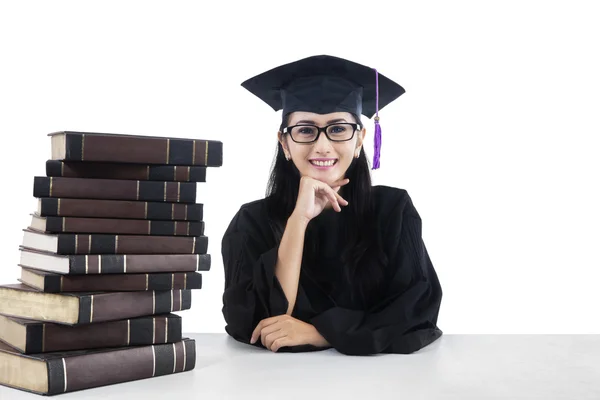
(288, 130)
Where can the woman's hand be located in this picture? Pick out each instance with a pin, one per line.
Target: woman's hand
(313, 196)
(284, 330)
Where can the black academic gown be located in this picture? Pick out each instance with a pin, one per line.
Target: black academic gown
(404, 318)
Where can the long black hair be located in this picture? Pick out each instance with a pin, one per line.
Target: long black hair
(362, 257)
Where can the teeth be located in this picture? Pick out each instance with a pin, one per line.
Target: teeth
(323, 163)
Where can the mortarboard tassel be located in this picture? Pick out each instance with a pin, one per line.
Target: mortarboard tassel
(377, 145)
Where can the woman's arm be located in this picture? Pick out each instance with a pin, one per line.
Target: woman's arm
(313, 197)
(289, 258)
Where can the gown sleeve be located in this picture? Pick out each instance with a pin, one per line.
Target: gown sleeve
(405, 318)
(252, 291)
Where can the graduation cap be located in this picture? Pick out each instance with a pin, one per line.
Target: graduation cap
(325, 84)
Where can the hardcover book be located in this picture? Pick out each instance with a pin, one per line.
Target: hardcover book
(98, 243)
(114, 189)
(117, 226)
(29, 336)
(137, 149)
(61, 372)
(98, 264)
(51, 282)
(21, 301)
(126, 209)
(142, 172)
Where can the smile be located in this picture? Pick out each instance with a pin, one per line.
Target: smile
(323, 164)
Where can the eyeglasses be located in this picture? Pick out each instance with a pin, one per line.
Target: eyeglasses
(339, 132)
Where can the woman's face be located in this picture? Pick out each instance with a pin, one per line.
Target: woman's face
(315, 159)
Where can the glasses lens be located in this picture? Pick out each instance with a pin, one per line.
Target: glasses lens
(304, 133)
(340, 131)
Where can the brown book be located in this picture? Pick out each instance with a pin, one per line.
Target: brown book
(98, 243)
(29, 337)
(50, 282)
(126, 209)
(61, 372)
(117, 226)
(137, 149)
(114, 189)
(21, 301)
(142, 172)
(99, 264)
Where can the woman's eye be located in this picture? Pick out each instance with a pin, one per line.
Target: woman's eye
(337, 129)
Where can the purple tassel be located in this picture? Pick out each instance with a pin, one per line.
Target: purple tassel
(377, 145)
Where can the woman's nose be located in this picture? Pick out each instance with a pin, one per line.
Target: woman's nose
(323, 143)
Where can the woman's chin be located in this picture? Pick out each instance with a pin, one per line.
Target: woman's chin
(329, 176)
(320, 176)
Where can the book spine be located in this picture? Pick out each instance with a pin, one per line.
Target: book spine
(86, 371)
(123, 226)
(114, 189)
(66, 207)
(50, 337)
(122, 282)
(122, 305)
(142, 150)
(105, 170)
(106, 245)
(137, 263)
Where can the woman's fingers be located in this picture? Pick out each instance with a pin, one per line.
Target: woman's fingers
(281, 342)
(262, 324)
(334, 197)
(341, 199)
(267, 331)
(337, 185)
(331, 195)
(338, 198)
(273, 336)
(340, 183)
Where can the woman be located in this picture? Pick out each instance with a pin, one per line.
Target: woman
(326, 259)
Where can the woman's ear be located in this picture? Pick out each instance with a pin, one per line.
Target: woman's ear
(360, 139)
(280, 138)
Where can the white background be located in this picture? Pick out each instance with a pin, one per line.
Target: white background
(495, 138)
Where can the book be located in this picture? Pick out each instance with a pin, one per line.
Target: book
(52, 282)
(114, 189)
(117, 226)
(21, 301)
(126, 209)
(29, 336)
(70, 371)
(142, 172)
(136, 149)
(98, 264)
(99, 243)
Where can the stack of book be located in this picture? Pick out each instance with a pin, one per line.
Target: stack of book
(113, 251)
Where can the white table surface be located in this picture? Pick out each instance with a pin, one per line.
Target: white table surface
(455, 367)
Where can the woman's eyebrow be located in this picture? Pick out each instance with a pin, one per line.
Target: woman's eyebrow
(308, 121)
